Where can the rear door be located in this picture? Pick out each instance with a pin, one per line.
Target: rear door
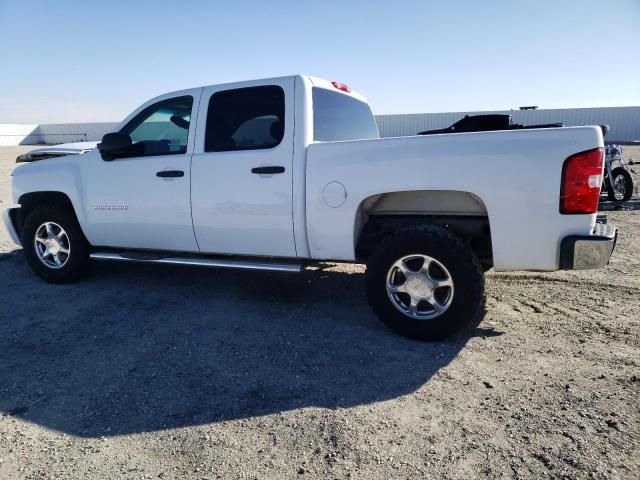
(241, 172)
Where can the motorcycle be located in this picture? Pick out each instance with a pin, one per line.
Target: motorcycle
(618, 182)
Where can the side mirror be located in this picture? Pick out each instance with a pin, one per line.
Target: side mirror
(115, 145)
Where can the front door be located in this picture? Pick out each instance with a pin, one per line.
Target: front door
(143, 201)
(241, 183)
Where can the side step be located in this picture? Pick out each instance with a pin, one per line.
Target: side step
(200, 262)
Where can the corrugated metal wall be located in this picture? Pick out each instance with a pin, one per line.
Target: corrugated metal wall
(72, 132)
(623, 121)
(16, 134)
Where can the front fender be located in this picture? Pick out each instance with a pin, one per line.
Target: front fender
(64, 175)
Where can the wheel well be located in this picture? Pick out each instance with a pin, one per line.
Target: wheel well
(474, 230)
(29, 201)
(460, 212)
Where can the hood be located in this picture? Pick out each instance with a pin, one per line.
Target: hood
(51, 151)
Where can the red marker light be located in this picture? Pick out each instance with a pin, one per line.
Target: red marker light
(341, 86)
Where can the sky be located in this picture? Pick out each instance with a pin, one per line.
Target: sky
(92, 60)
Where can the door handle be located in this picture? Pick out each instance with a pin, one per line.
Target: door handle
(267, 170)
(170, 173)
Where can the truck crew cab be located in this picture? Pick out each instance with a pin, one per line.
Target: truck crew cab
(276, 173)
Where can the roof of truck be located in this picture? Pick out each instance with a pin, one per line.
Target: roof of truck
(315, 81)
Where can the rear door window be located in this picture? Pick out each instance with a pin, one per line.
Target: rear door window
(245, 119)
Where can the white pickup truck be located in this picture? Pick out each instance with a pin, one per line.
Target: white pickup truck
(274, 174)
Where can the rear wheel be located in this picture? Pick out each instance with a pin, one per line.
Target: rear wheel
(424, 282)
(621, 188)
(54, 246)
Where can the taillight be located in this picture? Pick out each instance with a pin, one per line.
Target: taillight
(342, 86)
(581, 182)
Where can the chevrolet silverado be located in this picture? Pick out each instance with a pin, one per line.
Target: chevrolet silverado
(275, 174)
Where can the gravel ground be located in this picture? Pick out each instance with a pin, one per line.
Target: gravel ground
(169, 372)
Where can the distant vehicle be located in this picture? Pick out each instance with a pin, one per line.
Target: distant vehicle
(486, 123)
(618, 182)
(274, 174)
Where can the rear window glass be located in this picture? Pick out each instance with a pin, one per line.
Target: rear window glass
(337, 116)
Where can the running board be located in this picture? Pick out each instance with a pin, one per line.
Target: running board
(202, 262)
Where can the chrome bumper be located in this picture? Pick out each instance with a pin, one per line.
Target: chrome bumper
(582, 252)
(9, 216)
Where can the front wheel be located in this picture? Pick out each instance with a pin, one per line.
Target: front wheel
(621, 188)
(54, 246)
(424, 282)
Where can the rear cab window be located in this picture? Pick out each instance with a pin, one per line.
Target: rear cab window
(338, 116)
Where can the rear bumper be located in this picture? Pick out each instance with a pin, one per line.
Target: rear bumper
(582, 252)
(9, 217)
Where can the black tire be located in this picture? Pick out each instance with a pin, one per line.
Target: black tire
(627, 182)
(447, 249)
(76, 264)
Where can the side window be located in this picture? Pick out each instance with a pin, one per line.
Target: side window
(245, 119)
(162, 128)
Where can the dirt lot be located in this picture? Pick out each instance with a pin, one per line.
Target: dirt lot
(148, 372)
